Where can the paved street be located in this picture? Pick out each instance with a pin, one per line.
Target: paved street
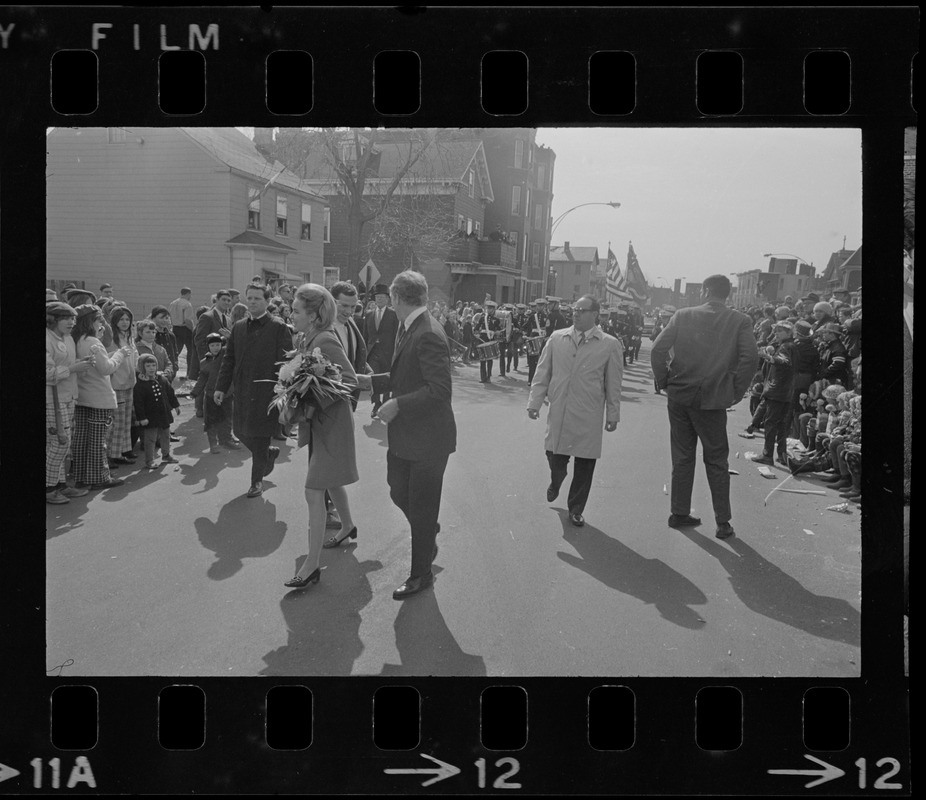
(177, 573)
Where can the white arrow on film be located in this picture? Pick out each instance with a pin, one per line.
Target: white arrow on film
(7, 772)
(444, 770)
(828, 773)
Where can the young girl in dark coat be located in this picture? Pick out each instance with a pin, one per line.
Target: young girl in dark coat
(216, 419)
(154, 400)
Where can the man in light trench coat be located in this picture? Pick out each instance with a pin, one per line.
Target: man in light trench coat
(580, 372)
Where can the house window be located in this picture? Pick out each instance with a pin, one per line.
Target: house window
(253, 209)
(332, 276)
(516, 201)
(518, 153)
(115, 135)
(472, 184)
(306, 231)
(461, 222)
(527, 205)
(541, 176)
(327, 236)
(538, 216)
(469, 226)
(535, 255)
(281, 215)
(476, 227)
(346, 151)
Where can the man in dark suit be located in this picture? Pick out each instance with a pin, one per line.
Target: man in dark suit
(213, 321)
(713, 359)
(379, 331)
(256, 346)
(422, 430)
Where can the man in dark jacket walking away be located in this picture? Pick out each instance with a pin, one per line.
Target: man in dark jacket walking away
(257, 345)
(713, 360)
(777, 393)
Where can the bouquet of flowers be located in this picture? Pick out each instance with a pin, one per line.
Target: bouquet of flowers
(307, 382)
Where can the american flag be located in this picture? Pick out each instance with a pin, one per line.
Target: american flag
(617, 284)
(636, 282)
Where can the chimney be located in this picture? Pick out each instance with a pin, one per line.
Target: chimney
(263, 140)
(566, 247)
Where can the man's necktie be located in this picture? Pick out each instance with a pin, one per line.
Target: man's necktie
(401, 335)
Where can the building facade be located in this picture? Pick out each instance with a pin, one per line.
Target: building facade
(435, 220)
(151, 210)
(575, 271)
(522, 175)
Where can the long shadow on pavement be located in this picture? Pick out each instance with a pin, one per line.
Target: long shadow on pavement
(648, 579)
(425, 644)
(246, 528)
(324, 620)
(766, 589)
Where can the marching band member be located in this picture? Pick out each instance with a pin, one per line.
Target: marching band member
(533, 326)
(517, 335)
(555, 319)
(485, 330)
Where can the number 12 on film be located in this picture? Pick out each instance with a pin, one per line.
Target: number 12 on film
(501, 782)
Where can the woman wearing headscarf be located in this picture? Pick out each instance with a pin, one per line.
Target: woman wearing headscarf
(61, 370)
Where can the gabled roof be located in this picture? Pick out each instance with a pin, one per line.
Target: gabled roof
(836, 259)
(237, 151)
(443, 162)
(855, 260)
(255, 239)
(581, 254)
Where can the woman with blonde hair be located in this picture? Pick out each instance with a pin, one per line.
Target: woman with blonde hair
(330, 431)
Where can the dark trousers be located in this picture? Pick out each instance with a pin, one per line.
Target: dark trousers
(777, 421)
(686, 427)
(531, 367)
(485, 370)
(758, 416)
(502, 357)
(513, 348)
(185, 339)
(415, 487)
(581, 484)
(260, 455)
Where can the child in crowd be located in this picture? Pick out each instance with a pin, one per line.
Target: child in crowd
(154, 399)
(216, 419)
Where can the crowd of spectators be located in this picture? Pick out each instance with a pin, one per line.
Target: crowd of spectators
(806, 393)
(110, 380)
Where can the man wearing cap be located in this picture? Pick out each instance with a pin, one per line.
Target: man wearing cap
(534, 325)
(555, 319)
(485, 329)
(834, 358)
(777, 394)
(517, 321)
(182, 321)
(380, 328)
(580, 372)
(713, 360)
(806, 362)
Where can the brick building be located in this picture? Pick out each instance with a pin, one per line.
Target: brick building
(435, 222)
(522, 175)
(153, 209)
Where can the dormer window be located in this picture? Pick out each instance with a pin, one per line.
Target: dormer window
(253, 209)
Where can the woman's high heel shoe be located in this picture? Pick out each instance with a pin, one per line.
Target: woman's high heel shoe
(301, 583)
(334, 541)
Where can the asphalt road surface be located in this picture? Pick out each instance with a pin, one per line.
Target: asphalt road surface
(177, 573)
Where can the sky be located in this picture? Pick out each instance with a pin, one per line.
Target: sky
(697, 201)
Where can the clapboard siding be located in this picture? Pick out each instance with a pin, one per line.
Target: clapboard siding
(150, 217)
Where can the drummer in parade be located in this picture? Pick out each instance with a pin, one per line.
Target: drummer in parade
(485, 328)
(534, 330)
(517, 335)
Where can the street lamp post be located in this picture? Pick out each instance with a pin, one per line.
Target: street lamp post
(559, 219)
